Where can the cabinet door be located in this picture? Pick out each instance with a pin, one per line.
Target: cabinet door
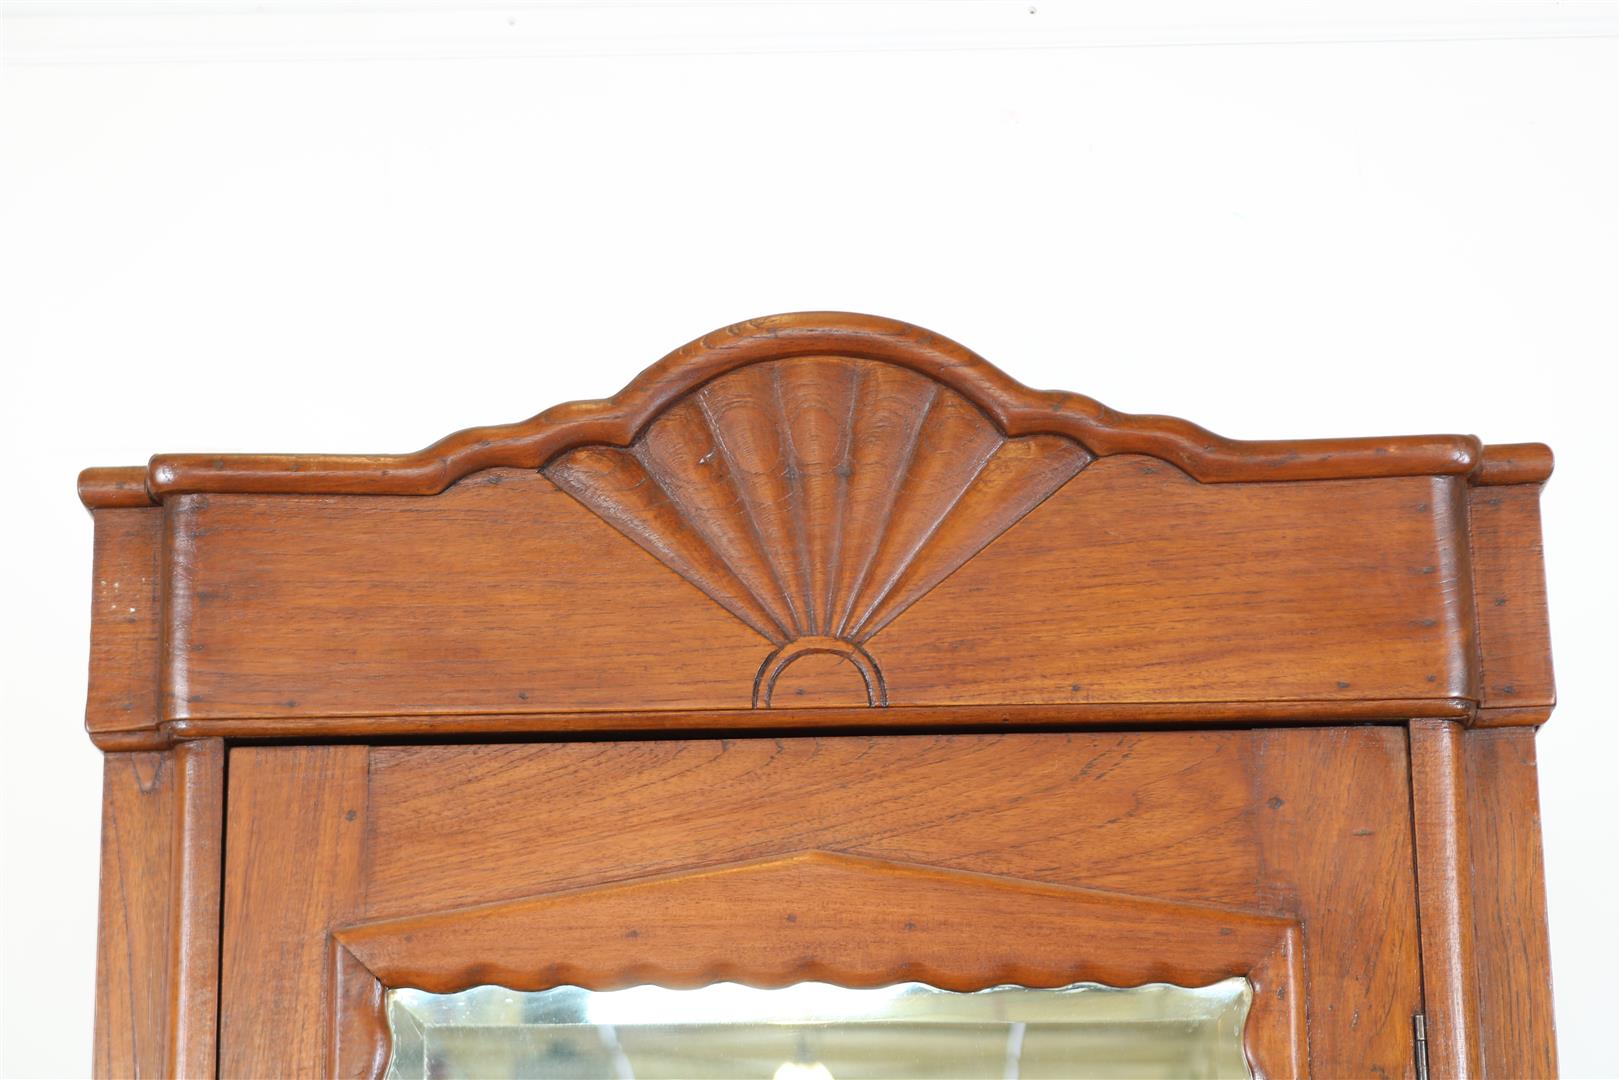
(963, 861)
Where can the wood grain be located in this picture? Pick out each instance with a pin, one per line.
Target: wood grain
(821, 523)
(157, 961)
(136, 923)
(1334, 832)
(1011, 482)
(1516, 1033)
(1514, 463)
(501, 595)
(1048, 803)
(1014, 408)
(195, 915)
(1510, 587)
(125, 628)
(1312, 825)
(1133, 583)
(849, 921)
(114, 488)
(618, 489)
(822, 404)
(504, 596)
(845, 709)
(297, 827)
(847, 490)
(1441, 825)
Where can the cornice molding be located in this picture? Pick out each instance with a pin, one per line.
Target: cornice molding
(47, 32)
(1016, 410)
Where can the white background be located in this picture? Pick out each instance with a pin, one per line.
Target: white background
(356, 227)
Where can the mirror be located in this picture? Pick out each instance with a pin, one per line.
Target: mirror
(817, 1031)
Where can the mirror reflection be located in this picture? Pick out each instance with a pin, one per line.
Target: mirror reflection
(817, 1031)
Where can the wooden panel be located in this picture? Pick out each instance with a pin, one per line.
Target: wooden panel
(840, 919)
(1308, 824)
(297, 820)
(194, 936)
(1510, 586)
(1333, 813)
(1440, 826)
(533, 818)
(502, 595)
(1510, 906)
(137, 887)
(157, 949)
(124, 621)
(1134, 583)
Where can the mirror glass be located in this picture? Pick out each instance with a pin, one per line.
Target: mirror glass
(816, 1031)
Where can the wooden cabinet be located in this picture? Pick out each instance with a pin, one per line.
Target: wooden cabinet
(825, 651)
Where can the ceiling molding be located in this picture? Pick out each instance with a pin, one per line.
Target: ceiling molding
(234, 31)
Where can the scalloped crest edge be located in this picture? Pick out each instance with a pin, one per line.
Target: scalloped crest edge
(1015, 409)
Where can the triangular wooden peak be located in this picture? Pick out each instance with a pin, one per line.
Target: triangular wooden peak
(845, 919)
(850, 919)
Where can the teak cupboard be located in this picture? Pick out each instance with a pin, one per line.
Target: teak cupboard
(824, 650)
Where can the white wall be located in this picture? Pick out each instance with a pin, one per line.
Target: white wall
(356, 227)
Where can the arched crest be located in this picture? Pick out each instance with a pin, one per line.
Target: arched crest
(1016, 410)
(816, 474)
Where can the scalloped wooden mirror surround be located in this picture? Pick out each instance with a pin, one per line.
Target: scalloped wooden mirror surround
(1277, 681)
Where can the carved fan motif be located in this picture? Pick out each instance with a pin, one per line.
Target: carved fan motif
(817, 498)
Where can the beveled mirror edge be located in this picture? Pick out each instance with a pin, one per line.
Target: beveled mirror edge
(1186, 1011)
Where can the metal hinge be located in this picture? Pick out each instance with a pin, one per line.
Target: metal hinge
(1420, 1040)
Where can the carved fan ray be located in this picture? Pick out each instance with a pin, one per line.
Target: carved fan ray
(818, 497)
